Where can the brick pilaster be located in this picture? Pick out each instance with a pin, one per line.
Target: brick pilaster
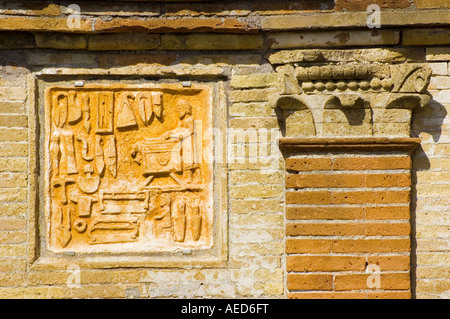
(348, 217)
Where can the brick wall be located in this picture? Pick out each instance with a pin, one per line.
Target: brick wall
(347, 223)
(299, 224)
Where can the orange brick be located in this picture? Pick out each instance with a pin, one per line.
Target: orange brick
(371, 163)
(325, 180)
(315, 246)
(324, 263)
(372, 197)
(12, 224)
(391, 229)
(308, 164)
(389, 295)
(325, 229)
(370, 245)
(327, 295)
(395, 281)
(325, 212)
(392, 262)
(389, 212)
(309, 282)
(388, 180)
(308, 197)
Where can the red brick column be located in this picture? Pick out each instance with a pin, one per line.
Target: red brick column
(348, 217)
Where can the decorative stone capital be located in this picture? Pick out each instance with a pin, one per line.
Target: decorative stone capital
(353, 99)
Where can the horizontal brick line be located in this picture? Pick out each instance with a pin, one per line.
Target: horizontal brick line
(346, 272)
(331, 172)
(368, 254)
(362, 205)
(346, 221)
(346, 189)
(346, 155)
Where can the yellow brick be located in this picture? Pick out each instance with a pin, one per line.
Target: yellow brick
(274, 288)
(12, 280)
(256, 205)
(13, 149)
(12, 210)
(132, 41)
(60, 41)
(12, 107)
(12, 250)
(251, 109)
(13, 134)
(431, 36)
(255, 95)
(258, 220)
(256, 191)
(13, 265)
(224, 42)
(13, 94)
(13, 180)
(13, 164)
(254, 80)
(13, 237)
(13, 194)
(428, 4)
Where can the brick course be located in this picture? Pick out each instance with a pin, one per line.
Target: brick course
(333, 210)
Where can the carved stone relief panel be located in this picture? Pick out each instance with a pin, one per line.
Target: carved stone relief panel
(124, 168)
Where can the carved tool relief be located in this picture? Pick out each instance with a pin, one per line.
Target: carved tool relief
(125, 170)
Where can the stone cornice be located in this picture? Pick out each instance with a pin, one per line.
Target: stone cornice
(351, 99)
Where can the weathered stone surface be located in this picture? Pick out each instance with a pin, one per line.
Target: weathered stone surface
(125, 171)
(354, 19)
(60, 58)
(29, 8)
(254, 80)
(16, 40)
(224, 42)
(108, 60)
(60, 41)
(362, 5)
(126, 9)
(335, 38)
(348, 55)
(43, 23)
(428, 4)
(426, 36)
(438, 54)
(171, 25)
(111, 42)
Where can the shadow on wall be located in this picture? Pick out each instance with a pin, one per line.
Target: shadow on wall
(427, 124)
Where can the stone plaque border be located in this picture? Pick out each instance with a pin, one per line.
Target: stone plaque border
(39, 258)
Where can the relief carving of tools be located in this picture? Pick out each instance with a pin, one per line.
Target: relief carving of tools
(62, 182)
(99, 160)
(86, 111)
(74, 111)
(111, 156)
(84, 205)
(179, 221)
(64, 227)
(88, 184)
(69, 150)
(85, 149)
